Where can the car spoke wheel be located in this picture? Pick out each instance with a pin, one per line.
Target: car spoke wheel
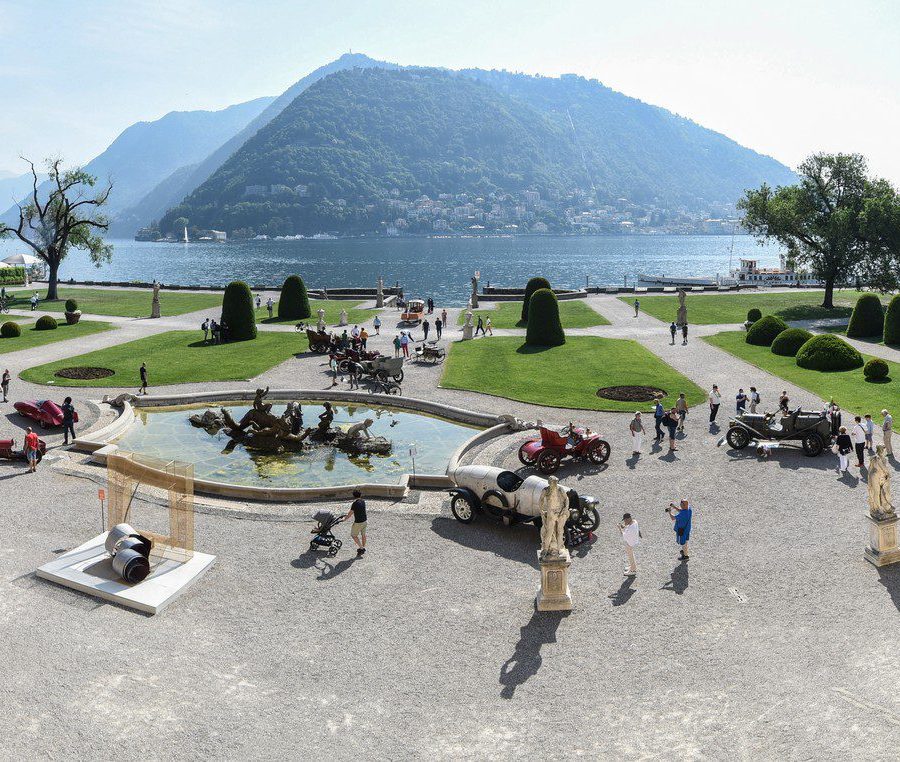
(589, 519)
(738, 438)
(399, 377)
(462, 509)
(599, 452)
(526, 458)
(812, 445)
(549, 461)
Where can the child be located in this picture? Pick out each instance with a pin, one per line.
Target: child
(869, 426)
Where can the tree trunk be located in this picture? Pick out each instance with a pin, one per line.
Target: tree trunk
(51, 285)
(828, 302)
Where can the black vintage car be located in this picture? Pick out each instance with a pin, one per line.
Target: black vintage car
(808, 427)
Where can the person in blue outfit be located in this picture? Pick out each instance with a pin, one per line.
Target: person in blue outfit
(681, 519)
(658, 413)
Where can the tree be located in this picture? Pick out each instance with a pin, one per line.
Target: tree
(533, 285)
(294, 301)
(820, 220)
(880, 227)
(544, 326)
(69, 218)
(237, 311)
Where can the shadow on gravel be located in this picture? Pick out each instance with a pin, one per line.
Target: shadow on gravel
(624, 593)
(678, 580)
(517, 543)
(526, 658)
(890, 578)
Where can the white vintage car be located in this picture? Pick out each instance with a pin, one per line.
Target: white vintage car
(510, 497)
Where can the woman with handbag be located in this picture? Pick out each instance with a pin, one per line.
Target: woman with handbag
(843, 447)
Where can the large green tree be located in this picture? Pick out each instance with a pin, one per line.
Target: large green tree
(822, 220)
(64, 216)
(880, 227)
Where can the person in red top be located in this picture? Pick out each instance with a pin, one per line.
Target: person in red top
(32, 444)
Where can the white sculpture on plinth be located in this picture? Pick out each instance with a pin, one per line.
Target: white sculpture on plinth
(554, 505)
(379, 293)
(682, 307)
(473, 300)
(879, 487)
(343, 319)
(154, 308)
(467, 326)
(321, 322)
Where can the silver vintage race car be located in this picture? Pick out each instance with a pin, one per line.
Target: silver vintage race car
(512, 498)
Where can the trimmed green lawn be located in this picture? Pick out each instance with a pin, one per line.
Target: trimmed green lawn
(31, 338)
(849, 388)
(709, 309)
(573, 313)
(124, 302)
(332, 309)
(175, 357)
(841, 330)
(566, 376)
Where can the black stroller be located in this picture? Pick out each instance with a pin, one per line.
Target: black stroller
(323, 536)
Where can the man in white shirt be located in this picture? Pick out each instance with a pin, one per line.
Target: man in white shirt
(715, 399)
(887, 429)
(631, 536)
(858, 437)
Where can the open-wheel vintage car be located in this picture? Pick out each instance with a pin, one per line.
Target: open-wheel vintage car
(384, 368)
(810, 428)
(413, 312)
(546, 453)
(345, 357)
(429, 351)
(8, 450)
(512, 498)
(46, 412)
(319, 341)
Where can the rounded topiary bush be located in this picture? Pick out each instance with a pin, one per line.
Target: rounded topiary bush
(10, 330)
(763, 332)
(892, 321)
(753, 315)
(533, 285)
(237, 311)
(827, 352)
(45, 323)
(544, 326)
(876, 369)
(788, 343)
(71, 305)
(867, 318)
(293, 304)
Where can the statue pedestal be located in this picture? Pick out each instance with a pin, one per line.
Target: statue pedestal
(467, 332)
(554, 594)
(154, 310)
(883, 549)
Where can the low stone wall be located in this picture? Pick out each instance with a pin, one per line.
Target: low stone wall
(516, 295)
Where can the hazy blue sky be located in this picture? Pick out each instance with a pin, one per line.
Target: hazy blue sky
(786, 78)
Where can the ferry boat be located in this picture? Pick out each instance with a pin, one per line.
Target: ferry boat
(748, 273)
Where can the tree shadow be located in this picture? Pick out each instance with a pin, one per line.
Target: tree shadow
(516, 543)
(532, 349)
(678, 579)
(889, 576)
(526, 659)
(624, 593)
(885, 380)
(813, 312)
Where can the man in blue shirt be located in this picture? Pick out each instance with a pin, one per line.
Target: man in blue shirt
(681, 516)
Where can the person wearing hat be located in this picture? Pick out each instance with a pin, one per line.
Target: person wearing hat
(631, 537)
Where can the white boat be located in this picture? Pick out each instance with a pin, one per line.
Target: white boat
(750, 273)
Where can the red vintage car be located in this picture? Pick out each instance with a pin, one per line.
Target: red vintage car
(8, 450)
(46, 412)
(547, 452)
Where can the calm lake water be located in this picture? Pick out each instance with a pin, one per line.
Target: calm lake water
(437, 267)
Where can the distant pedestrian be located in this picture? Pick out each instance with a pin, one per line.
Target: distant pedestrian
(488, 326)
(354, 370)
(480, 326)
(844, 447)
(363, 338)
(684, 334)
(784, 403)
(631, 537)
(68, 410)
(397, 345)
(681, 516)
(637, 433)
(376, 324)
(444, 317)
(670, 421)
(32, 447)
(681, 406)
(204, 326)
(658, 413)
(333, 366)
(426, 326)
(404, 343)
(143, 372)
(673, 329)
(360, 521)
(858, 436)
(438, 327)
(637, 307)
(270, 307)
(869, 426)
(740, 401)
(5, 384)
(755, 399)
(258, 301)
(34, 301)
(887, 428)
(715, 399)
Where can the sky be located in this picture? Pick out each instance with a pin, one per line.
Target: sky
(786, 78)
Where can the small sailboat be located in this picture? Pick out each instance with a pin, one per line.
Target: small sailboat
(185, 239)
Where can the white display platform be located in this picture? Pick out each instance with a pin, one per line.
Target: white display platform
(88, 568)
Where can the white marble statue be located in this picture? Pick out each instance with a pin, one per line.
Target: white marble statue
(343, 319)
(474, 298)
(682, 307)
(154, 309)
(554, 506)
(879, 487)
(320, 324)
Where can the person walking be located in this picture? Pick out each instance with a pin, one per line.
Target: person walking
(34, 301)
(404, 344)
(376, 324)
(363, 338)
(869, 426)
(681, 516)
(360, 520)
(444, 317)
(844, 447)
(68, 411)
(681, 406)
(658, 413)
(670, 421)
(204, 326)
(637, 433)
(715, 399)
(755, 399)
(355, 371)
(631, 538)
(426, 326)
(397, 346)
(258, 301)
(32, 447)
(5, 385)
(673, 329)
(740, 401)
(480, 326)
(858, 437)
(887, 427)
(270, 307)
(637, 307)
(438, 327)
(333, 367)
(684, 335)
(143, 372)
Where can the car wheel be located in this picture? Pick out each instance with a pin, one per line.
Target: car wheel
(548, 461)
(738, 438)
(462, 509)
(399, 377)
(599, 452)
(590, 520)
(344, 366)
(526, 458)
(812, 445)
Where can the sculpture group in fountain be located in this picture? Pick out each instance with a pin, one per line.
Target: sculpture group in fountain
(879, 487)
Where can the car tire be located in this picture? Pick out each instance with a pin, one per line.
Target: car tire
(399, 377)
(462, 509)
(524, 458)
(599, 452)
(590, 520)
(737, 438)
(812, 445)
(548, 461)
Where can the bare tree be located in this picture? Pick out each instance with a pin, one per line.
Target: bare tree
(69, 218)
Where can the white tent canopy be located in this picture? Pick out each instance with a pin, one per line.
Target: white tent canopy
(22, 259)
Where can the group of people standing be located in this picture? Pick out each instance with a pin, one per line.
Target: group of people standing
(860, 437)
(216, 332)
(681, 516)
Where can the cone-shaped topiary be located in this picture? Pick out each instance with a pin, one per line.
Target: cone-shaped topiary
(892, 321)
(237, 311)
(827, 352)
(71, 305)
(293, 304)
(10, 330)
(788, 343)
(45, 323)
(763, 332)
(753, 315)
(544, 326)
(876, 369)
(533, 285)
(867, 318)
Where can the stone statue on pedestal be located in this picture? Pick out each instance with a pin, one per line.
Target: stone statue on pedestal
(320, 324)
(474, 297)
(379, 294)
(682, 307)
(879, 487)
(343, 318)
(467, 326)
(154, 309)
(554, 506)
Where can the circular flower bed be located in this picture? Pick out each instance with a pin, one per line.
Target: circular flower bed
(84, 373)
(631, 393)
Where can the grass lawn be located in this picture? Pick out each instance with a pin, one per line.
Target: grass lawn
(849, 388)
(572, 313)
(841, 330)
(566, 376)
(708, 309)
(31, 338)
(125, 303)
(175, 357)
(332, 309)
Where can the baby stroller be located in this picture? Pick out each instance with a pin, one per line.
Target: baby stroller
(323, 536)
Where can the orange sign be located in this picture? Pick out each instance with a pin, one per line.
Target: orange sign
(101, 493)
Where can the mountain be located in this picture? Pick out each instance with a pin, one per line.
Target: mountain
(14, 187)
(185, 179)
(148, 152)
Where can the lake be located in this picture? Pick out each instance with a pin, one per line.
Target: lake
(437, 267)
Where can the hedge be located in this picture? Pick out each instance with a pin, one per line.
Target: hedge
(867, 318)
(71, 305)
(876, 369)
(753, 315)
(12, 276)
(828, 352)
(788, 343)
(892, 321)
(293, 304)
(544, 326)
(763, 332)
(534, 284)
(10, 330)
(45, 323)
(237, 311)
